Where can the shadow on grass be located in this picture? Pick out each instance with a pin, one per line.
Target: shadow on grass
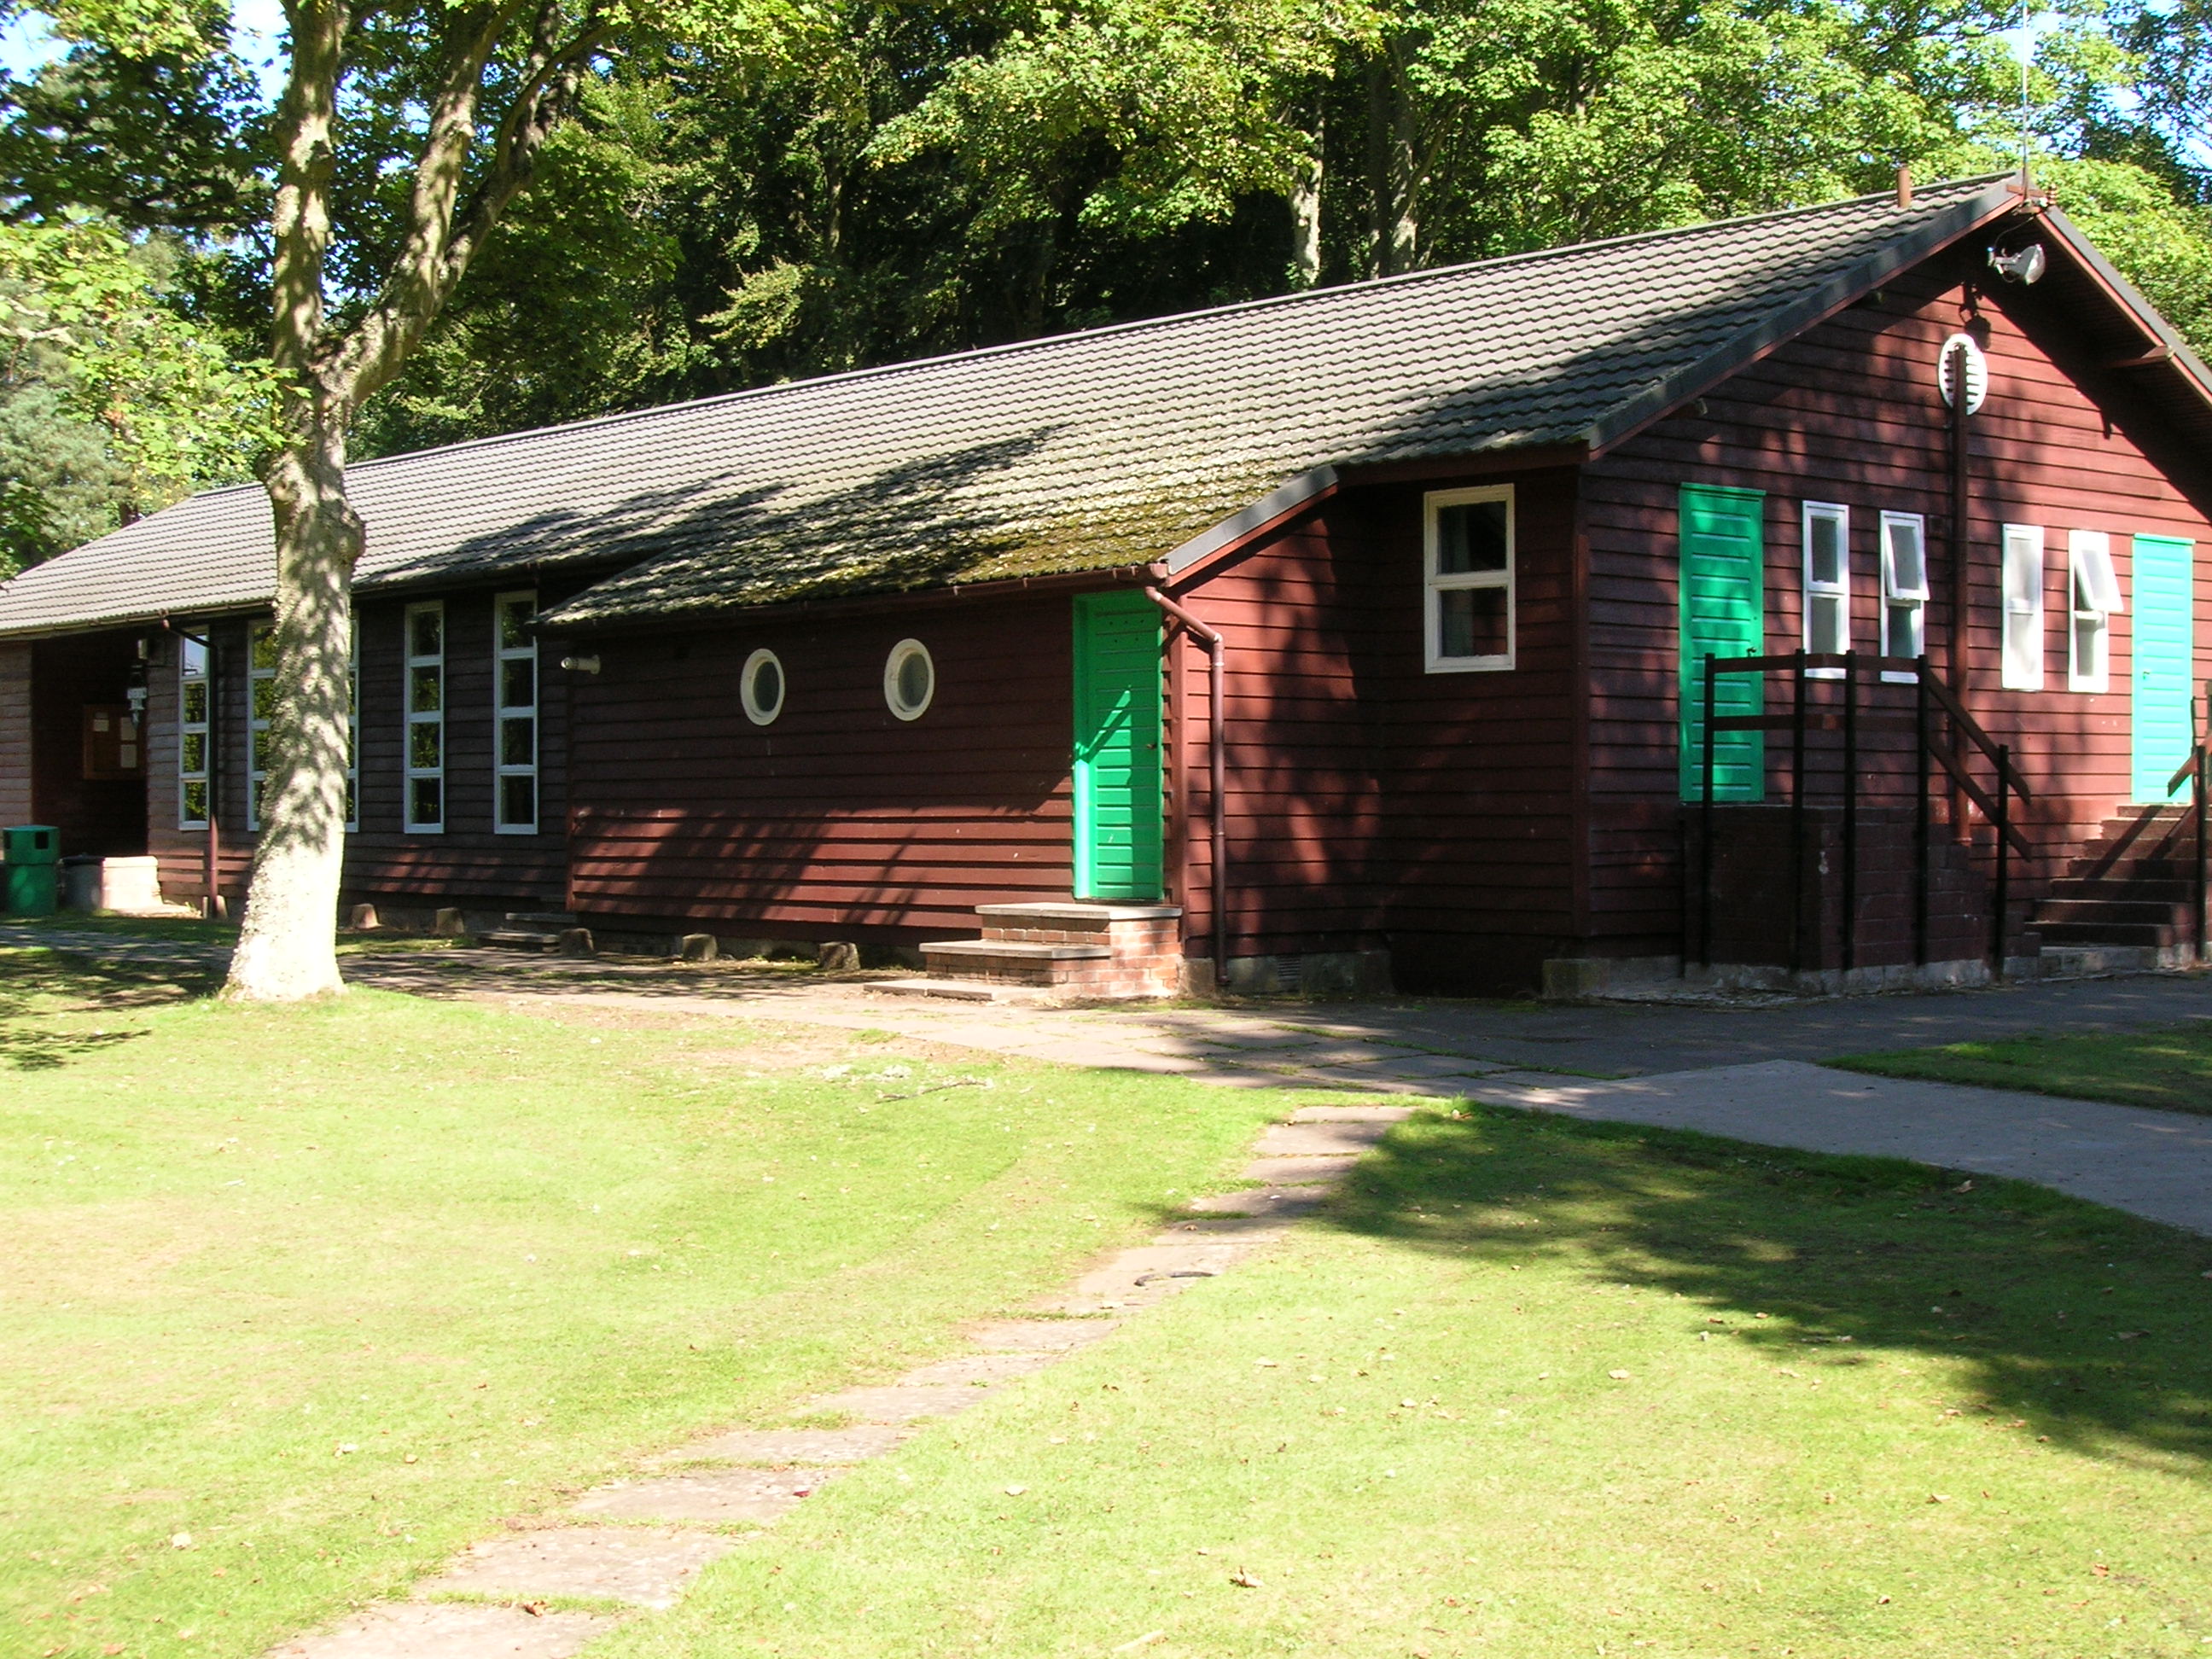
(43, 982)
(2090, 1323)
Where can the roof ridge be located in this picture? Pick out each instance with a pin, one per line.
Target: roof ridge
(1010, 348)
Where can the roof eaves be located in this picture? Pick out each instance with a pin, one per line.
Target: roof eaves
(1271, 508)
(2145, 315)
(1626, 418)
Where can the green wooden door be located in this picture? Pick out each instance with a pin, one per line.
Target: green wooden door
(2165, 650)
(1723, 609)
(1117, 747)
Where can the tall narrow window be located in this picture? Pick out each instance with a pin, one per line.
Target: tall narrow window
(353, 727)
(1468, 556)
(514, 669)
(261, 707)
(2093, 598)
(1827, 580)
(193, 692)
(426, 719)
(2022, 598)
(1904, 588)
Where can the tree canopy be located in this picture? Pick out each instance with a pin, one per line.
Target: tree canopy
(859, 181)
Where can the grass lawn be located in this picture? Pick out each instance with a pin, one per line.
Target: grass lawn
(2169, 1067)
(1537, 1387)
(297, 1303)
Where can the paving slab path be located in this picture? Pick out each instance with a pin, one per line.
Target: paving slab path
(547, 1589)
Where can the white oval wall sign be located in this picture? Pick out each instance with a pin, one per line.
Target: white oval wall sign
(1977, 371)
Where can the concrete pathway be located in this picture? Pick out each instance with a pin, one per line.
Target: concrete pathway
(546, 1592)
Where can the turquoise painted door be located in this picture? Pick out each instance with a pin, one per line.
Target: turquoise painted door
(1117, 747)
(1723, 613)
(2165, 655)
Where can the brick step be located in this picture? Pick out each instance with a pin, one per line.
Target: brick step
(2134, 869)
(1021, 962)
(961, 990)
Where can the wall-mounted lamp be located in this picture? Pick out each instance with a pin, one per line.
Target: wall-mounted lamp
(580, 664)
(2023, 266)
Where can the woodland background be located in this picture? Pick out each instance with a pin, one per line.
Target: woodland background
(876, 181)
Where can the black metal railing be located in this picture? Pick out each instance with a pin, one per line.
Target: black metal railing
(2192, 771)
(1930, 698)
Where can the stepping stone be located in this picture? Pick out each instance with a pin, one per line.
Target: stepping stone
(780, 1448)
(650, 1566)
(1299, 1171)
(1250, 1231)
(448, 1630)
(1041, 1335)
(1285, 1201)
(1149, 1265)
(896, 1403)
(1375, 1114)
(722, 1495)
(1441, 1067)
(979, 1367)
(1322, 1139)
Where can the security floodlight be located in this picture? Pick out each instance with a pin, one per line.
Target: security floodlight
(2023, 266)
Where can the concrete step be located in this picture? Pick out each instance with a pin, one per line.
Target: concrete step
(1073, 915)
(540, 920)
(2113, 907)
(1020, 962)
(522, 939)
(960, 990)
(2142, 934)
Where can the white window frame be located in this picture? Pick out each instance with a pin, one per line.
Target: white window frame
(1839, 515)
(502, 712)
(255, 723)
(2019, 606)
(1894, 593)
(2090, 577)
(898, 706)
(189, 651)
(1436, 583)
(409, 771)
(353, 728)
(759, 712)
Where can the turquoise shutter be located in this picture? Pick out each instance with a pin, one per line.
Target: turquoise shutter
(2165, 651)
(1723, 613)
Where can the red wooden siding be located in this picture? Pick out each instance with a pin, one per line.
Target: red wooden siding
(14, 734)
(1849, 412)
(468, 864)
(838, 819)
(1371, 801)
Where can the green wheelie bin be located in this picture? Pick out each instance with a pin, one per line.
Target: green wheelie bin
(30, 869)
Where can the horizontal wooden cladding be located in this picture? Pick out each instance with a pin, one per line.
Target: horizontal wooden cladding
(15, 734)
(1847, 413)
(836, 814)
(1364, 793)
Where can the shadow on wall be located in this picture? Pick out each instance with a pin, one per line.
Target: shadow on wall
(1818, 1244)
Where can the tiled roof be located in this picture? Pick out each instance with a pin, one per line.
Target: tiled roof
(1081, 452)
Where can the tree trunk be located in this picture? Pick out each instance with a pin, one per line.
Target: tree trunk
(287, 949)
(1305, 213)
(1393, 162)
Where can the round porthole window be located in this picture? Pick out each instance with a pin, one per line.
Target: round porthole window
(909, 679)
(761, 686)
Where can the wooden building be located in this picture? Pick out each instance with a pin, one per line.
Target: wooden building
(1352, 637)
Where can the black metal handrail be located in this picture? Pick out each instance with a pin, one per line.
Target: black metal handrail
(1929, 695)
(2192, 771)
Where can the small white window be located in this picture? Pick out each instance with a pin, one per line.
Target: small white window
(1904, 588)
(909, 679)
(1827, 581)
(193, 693)
(2093, 600)
(2022, 599)
(761, 688)
(1467, 612)
(514, 716)
(425, 803)
(261, 709)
